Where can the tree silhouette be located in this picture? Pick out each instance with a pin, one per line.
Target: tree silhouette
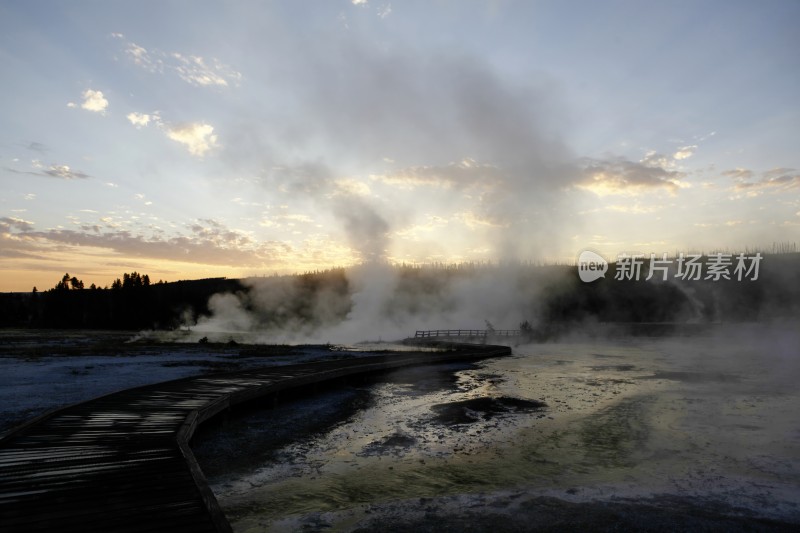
(68, 283)
(134, 280)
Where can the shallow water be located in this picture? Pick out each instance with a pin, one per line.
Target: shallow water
(711, 418)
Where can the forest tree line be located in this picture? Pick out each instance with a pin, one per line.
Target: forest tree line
(131, 302)
(128, 281)
(548, 297)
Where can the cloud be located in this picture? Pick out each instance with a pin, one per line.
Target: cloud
(668, 162)
(477, 220)
(781, 175)
(8, 223)
(142, 58)
(64, 172)
(93, 101)
(726, 223)
(291, 218)
(633, 209)
(198, 137)
(196, 71)
(138, 119)
(207, 242)
(142, 198)
(771, 181)
(462, 174)
(351, 186)
(685, 152)
(53, 171)
(625, 177)
(193, 69)
(37, 147)
(739, 174)
(415, 231)
(211, 231)
(655, 159)
(285, 220)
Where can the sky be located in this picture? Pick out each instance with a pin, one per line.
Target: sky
(201, 139)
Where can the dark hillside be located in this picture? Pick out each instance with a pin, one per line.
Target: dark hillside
(552, 297)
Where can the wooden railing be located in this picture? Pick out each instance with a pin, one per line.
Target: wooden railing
(473, 333)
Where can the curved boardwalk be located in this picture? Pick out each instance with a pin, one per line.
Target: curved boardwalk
(122, 462)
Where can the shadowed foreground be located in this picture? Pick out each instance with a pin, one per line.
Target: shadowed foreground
(122, 462)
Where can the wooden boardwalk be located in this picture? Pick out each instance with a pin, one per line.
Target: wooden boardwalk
(122, 462)
(466, 334)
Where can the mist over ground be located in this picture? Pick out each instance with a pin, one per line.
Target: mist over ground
(684, 433)
(377, 301)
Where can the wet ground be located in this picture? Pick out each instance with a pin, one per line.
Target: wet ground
(42, 370)
(626, 434)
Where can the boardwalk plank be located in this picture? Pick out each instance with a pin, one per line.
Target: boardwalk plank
(122, 462)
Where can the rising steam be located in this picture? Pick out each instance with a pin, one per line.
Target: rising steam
(490, 149)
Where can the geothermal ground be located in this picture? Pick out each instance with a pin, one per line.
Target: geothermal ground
(639, 433)
(661, 434)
